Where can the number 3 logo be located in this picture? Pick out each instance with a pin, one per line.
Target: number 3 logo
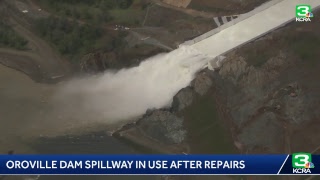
(302, 158)
(302, 10)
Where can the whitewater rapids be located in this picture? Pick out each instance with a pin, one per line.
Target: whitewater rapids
(128, 93)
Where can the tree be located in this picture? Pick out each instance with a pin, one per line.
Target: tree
(124, 4)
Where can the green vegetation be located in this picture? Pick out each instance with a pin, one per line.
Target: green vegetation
(257, 58)
(259, 52)
(303, 46)
(205, 7)
(207, 132)
(225, 7)
(69, 37)
(74, 40)
(9, 38)
(306, 46)
(95, 11)
(132, 16)
(132, 56)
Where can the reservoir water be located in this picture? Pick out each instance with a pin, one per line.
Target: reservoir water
(20, 99)
(73, 117)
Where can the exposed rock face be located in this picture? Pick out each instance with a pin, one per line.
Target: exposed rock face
(202, 83)
(264, 102)
(267, 92)
(241, 73)
(260, 103)
(247, 102)
(199, 86)
(248, 83)
(163, 126)
(98, 62)
(182, 99)
(259, 133)
(233, 69)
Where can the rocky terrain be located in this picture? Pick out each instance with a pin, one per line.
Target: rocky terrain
(265, 95)
(262, 100)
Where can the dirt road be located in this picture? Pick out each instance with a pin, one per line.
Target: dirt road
(49, 60)
(41, 62)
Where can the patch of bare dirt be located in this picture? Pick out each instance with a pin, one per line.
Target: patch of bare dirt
(178, 3)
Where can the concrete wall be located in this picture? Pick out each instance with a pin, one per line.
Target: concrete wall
(231, 23)
(263, 21)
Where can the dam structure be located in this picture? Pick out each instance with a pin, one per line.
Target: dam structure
(116, 97)
(247, 27)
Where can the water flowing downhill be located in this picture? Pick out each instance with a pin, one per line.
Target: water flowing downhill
(115, 96)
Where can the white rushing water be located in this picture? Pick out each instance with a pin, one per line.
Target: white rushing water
(116, 96)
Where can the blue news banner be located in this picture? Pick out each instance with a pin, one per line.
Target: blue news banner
(299, 163)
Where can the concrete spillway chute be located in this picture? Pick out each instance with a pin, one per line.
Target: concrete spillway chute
(247, 27)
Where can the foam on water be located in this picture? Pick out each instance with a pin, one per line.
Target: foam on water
(116, 96)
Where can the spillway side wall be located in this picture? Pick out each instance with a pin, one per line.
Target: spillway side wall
(214, 62)
(231, 23)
